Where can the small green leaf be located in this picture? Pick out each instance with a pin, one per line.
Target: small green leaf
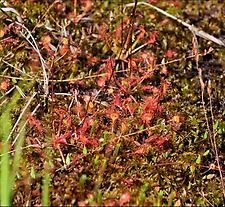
(206, 153)
(216, 125)
(117, 67)
(192, 169)
(85, 150)
(14, 80)
(220, 131)
(198, 160)
(205, 136)
(32, 172)
(196, 139)
(142, 194)
(68, 159)
(5, 72)
(116, 151)
(99, 197)
(181, 146)
(105, 135)
(96, 160)
(210, 176)
(160, 194)
(166, 154)
(83, 180)
(171, 198)
(159, 199)
(93, 128)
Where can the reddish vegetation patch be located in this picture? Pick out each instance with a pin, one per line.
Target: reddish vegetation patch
(104, 129)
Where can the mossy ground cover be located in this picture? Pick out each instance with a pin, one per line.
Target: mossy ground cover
(110, 104)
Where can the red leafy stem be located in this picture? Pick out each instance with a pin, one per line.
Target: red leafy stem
(64, 124)
(83, 134)
(61, 140)
(34, 122)
(150, 109)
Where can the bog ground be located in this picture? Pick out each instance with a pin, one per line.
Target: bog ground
(112, 102)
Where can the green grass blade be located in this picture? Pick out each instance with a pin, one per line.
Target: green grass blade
(5, 195)
(45, 189)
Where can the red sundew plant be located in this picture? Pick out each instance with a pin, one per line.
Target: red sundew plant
(158, 140)
(151, 109)
(83, 132)
(113, 115)
(141, 150)
(170, 53)
(152, 37)
(4, 85)
(119, 127)
(131, 105)
(62, 128)
(117, 100)
(101, 81)
(34, 122)
(125, 198)
(61, 140)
